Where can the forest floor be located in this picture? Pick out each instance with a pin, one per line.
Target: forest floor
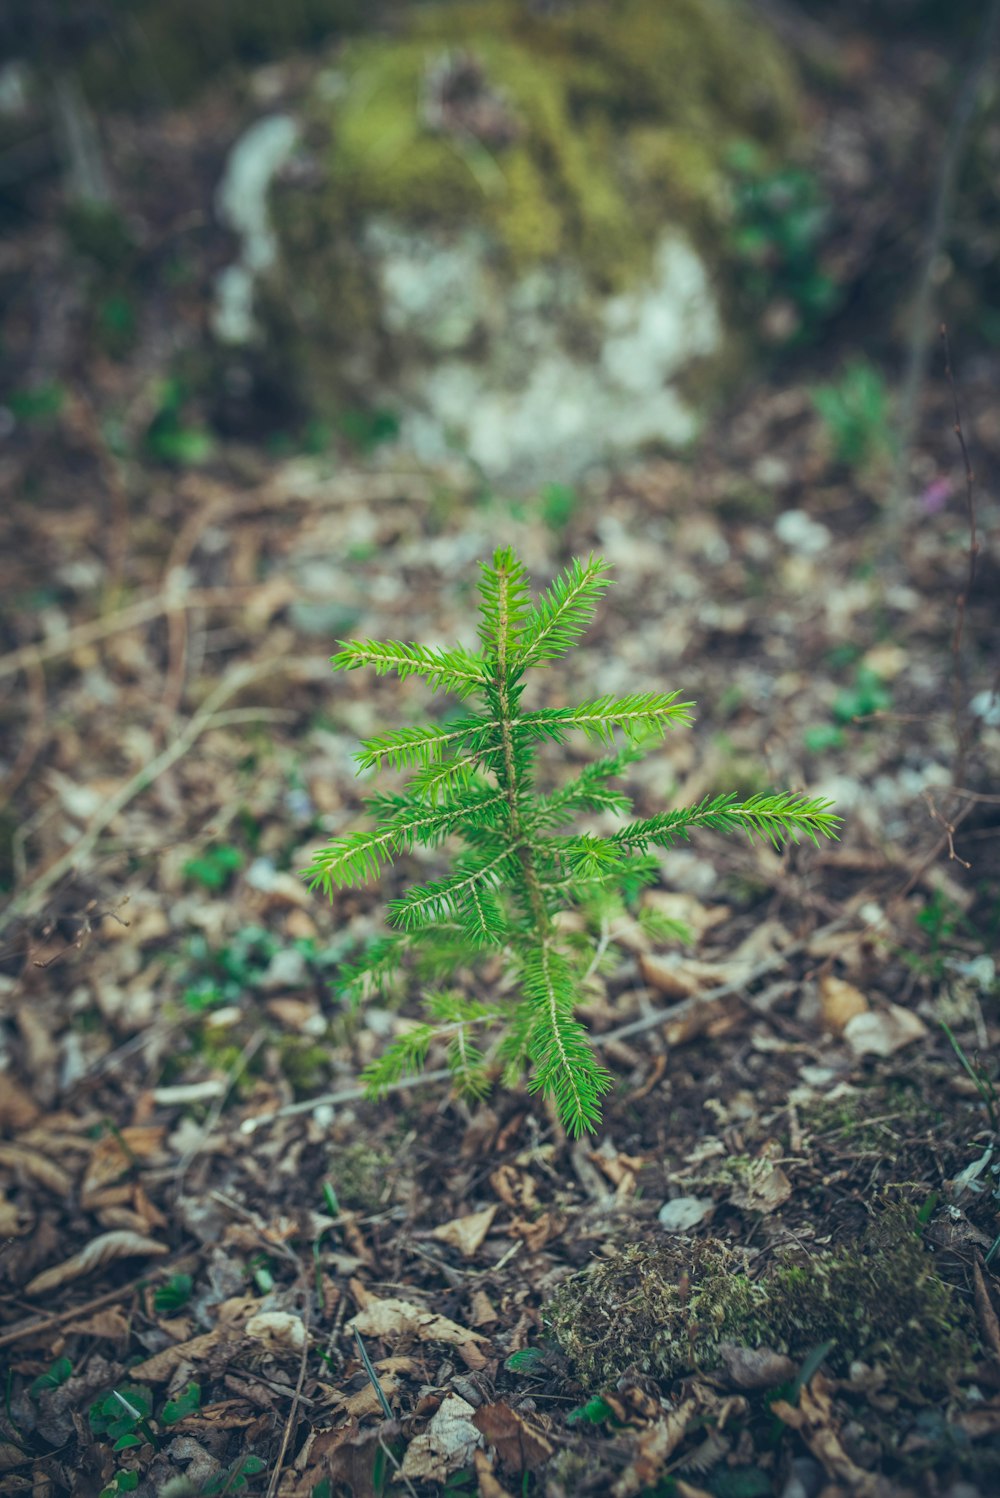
(787, 1217)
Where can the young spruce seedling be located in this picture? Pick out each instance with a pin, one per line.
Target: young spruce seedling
(520, 868)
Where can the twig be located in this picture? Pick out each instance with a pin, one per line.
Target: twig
(723, 990)
(332, 1099)
(46, 1323)
(34, 736)
(963, 736)
(141, 612)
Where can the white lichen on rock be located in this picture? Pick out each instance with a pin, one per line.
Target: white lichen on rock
(241, 204)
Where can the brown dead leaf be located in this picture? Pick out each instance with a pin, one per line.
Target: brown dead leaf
(343, 1457)
(365, 1401)
(32, 1165)
(754, 1367)
(482, 1310)
(280, 1331)
(698, 1017)
(519, 1445)
(681, 977)
(488, 1485)
(162, 1365)
(111, 1325)
(813, 1419)
(764, 1189)
(516, 1189)
(985, 1313)
(393, 1319)
(118, 1153)
(653, 1449)
(535, 1232)
(839, 1003)
(18, 1110)
(100, 1251)
(467, 1233)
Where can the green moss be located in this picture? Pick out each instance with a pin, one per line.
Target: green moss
(618, 124)
(869, 1121)
(304, 1064)
(661, 1309)
(358, 1173)
(665, 1309)
(882, 1303)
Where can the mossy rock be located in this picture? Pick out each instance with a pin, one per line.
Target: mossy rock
(512, 227)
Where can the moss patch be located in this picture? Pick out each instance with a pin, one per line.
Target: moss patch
(658, 1308)
(664, 1309)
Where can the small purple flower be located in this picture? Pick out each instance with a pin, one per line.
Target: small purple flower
(936, 496)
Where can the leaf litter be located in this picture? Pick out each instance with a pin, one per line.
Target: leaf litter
(786, 1096)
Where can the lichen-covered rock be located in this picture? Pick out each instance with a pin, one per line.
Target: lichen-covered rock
(509, 225)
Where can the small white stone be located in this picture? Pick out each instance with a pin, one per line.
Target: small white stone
(801, 534)
(684, 1212)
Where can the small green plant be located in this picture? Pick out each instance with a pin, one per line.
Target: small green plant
(123, 1416)
(186, 1403)
(171, 438)
(519, 871)
(780, 223)
(855, 412)
(174, 1295)
(214, 868)
(53, 1378)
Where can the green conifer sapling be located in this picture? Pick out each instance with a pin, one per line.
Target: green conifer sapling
(518, 864)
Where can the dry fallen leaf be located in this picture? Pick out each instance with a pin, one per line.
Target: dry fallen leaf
(765, 1187)
(467, 1233)
(36, 1167)
(755, 1367)
(392, 1318)
(18, 1109)
(654, 1447)
(98, 1252)
(840, 1002)
(681, 977)
(279, 1330)
(446, 1445)
(488, 1485)
(882, 1032)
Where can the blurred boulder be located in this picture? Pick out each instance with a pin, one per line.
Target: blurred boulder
(511, 225)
